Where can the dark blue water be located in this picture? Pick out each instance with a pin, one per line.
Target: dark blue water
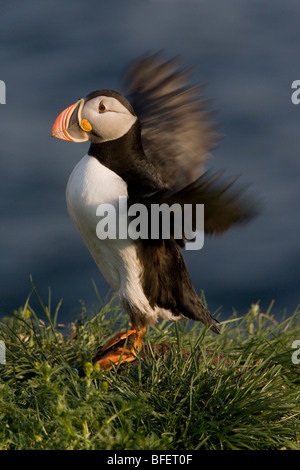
(53, 52)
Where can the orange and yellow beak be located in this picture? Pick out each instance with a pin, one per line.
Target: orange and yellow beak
(69, 125)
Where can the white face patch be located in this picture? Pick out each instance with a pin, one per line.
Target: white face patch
(109, 124)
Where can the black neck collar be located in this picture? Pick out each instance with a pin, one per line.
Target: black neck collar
(125, 156)
(119, 152)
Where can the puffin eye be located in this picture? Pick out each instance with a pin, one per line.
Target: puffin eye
(101, 108)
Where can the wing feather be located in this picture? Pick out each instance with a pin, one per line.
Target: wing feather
(178, 133)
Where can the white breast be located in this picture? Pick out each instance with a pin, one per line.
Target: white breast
(90, 185)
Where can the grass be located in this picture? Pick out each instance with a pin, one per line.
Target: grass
(239, 390)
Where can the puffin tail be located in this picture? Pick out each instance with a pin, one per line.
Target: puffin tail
(205, 317)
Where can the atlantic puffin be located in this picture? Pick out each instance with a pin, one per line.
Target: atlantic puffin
(149, 147)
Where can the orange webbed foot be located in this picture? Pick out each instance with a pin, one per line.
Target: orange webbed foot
(121, 348)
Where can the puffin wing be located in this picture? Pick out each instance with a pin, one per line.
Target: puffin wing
(178, 135)
(224, 205)
(176, 128)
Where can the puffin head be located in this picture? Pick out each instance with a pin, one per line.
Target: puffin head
(102, 116)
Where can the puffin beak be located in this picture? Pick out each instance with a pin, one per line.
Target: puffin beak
(68, 125)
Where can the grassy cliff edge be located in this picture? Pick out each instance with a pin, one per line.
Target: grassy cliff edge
(239, 390)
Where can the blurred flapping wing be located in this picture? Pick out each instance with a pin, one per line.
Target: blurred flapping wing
(177, 131)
